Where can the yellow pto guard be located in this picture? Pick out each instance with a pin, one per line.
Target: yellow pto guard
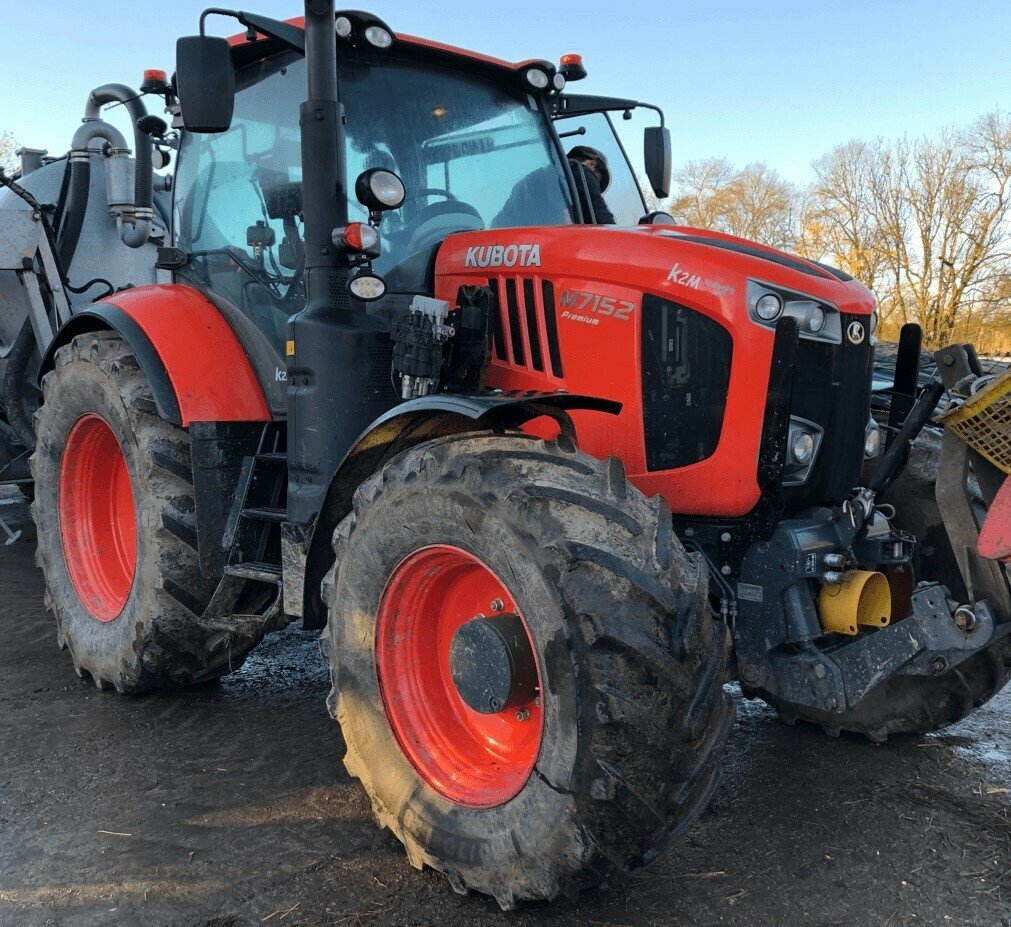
(862, 598)
(984, 422)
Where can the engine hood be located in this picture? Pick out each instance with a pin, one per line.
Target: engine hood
(666, 260)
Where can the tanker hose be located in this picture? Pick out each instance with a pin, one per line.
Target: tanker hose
(134, 236)
(80, 182)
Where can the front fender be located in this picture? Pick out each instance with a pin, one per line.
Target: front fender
(414, 422)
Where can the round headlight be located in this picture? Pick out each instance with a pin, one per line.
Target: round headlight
(380, 189)
(343, 26)
(802, 447)
(378, 36)
(872, 440)
(816, 321)
(769, 307)
(538, 79)
(559, 81)
(368, 287)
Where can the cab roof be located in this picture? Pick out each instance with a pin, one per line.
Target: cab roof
(435, 49)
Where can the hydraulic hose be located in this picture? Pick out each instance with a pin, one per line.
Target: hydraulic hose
(134, 236)
(897, 455)
(80, 182)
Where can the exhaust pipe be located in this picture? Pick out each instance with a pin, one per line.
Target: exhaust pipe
(862, 599)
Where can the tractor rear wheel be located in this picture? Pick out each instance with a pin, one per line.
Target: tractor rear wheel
(115, 515)
(525, 668)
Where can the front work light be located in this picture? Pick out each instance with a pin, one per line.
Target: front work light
(538, 79)
(379, 189)
(378, 36)
(367, 286)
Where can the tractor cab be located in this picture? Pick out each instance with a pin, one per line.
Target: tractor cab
(478, 144)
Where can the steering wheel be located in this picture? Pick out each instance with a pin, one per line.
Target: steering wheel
(437, 191)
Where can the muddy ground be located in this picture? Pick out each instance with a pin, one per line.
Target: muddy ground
(228, 806)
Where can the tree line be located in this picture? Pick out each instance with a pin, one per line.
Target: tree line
(924, 222)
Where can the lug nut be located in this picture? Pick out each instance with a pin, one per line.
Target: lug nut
(939, 665)
(497, 605)
(523, 714)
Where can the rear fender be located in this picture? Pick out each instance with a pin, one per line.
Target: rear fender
(195, 365)
(406, 426)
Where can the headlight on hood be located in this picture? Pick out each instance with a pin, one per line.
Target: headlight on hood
(817, 320)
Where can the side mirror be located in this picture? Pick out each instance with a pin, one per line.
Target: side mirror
(658, 218)
(658, 159)
(205, 83)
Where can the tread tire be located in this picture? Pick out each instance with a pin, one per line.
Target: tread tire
(157, 640)
(636, 718)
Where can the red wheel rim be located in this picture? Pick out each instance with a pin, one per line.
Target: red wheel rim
(98, 521)
(475, 760)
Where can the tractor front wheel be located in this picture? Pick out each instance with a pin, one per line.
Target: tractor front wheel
(117, 540)
(524, 665)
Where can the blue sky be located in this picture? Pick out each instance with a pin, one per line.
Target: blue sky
(772, 80)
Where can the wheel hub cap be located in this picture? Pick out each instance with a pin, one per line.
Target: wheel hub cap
(461, 693)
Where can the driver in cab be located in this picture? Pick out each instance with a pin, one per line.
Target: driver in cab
(592, 176)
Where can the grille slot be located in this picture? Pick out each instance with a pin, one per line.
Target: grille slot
(524, 330)
(516, 327)
(533, 329)
(551, 324)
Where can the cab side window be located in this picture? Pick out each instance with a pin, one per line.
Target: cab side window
(238, 199)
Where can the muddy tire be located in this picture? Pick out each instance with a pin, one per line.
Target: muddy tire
(631, 711)
(121, 565)
(916, 705)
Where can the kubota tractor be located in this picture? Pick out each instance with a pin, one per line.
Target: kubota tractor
(364, 359)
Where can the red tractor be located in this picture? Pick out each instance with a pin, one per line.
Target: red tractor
(364, 359)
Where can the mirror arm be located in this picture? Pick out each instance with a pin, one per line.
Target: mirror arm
(656, 109)
(290, 36)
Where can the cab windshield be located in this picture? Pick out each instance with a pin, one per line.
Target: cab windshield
(474, 153)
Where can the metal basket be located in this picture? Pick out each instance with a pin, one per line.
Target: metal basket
(984, 422)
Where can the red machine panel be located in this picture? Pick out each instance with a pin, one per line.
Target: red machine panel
(207, 366)
(572, 290)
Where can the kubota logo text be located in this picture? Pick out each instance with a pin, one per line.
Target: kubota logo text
(503, 256)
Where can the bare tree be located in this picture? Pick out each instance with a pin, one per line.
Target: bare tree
(753, 202)
(924, 222)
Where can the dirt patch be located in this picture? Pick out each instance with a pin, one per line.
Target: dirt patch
(228, 806)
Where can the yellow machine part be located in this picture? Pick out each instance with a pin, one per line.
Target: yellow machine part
(861, 599)
(984, 422)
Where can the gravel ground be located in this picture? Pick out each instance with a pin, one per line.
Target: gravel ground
(228, 806)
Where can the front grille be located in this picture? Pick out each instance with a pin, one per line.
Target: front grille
(686, 359)
(524, 328)
(832, 388)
